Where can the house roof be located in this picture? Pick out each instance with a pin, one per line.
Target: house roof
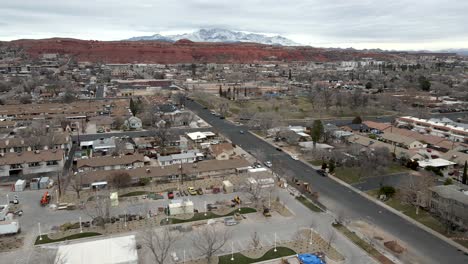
(456, 155)
(452, 192)
(221, 148)
(371, 143)
(165, 171)
(439, 162)
(110, 161)
(398, 138)
(56, 138)
(377, 125)
(31, 156)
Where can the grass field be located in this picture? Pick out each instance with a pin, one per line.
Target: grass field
(363, 244)
(271, 254)
(46, 239)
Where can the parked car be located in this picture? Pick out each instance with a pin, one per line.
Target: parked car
(278, 149)
(210, 207)
(170, 195)
(200, 191)
(241, 131)
(230, 221)
(268, 164)
(192, 191)
(294, 157)
(322, 173)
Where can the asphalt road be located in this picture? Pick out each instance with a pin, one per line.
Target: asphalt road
(430, 248)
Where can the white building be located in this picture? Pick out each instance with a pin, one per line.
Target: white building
(114, 250)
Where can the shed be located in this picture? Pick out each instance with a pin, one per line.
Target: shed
(177, 207)
(20, 185)
(44, 183)
(34, 184)
(228, 187)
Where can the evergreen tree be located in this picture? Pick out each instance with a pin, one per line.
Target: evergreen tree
(317, 131)
(220, 91)
(133, 107)
(289, 75)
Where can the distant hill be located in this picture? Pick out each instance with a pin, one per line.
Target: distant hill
(220, 35)
(184, 51)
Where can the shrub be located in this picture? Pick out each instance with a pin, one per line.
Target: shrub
(389, 191)
(448, 181)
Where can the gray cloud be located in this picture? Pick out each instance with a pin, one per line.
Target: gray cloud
(373, 23)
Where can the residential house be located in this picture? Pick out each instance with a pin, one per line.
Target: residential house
(376, 127)
(402, 141)
(362, 128)
(202, 169)
(111, 162)
(450, 202)
(133, 123)
(222, 151)
(187, 157)
(105, 145)
(31, 162)
(444, 128)
(52, 141)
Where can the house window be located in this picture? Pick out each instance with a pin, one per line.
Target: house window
(34, 164)
(52, 162)
(16, 166)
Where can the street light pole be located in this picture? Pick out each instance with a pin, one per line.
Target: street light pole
(275, 243)
(81, 227)
(232, 251)
(40, 233)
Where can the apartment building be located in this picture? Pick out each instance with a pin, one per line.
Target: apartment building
(450, 202)
(444, 127)
(31, 162)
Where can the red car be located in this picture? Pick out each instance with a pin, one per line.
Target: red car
(170, 195)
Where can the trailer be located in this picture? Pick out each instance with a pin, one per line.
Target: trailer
(34, 184)
(44, 183)
(177, 207)
(9, 228)
(20, 185)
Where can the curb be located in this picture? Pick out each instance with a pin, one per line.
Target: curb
(389, 208)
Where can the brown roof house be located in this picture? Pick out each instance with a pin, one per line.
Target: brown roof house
(31, 162)
(223, 151)
(111, 162)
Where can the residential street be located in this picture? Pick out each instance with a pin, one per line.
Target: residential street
(338, 198)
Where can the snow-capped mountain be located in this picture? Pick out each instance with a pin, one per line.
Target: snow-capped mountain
(220, 35)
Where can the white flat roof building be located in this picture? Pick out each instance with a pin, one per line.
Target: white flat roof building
(114, 250)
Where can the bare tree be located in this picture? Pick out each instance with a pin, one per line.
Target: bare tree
(326, 96)
(209, 240)
(121, 179)
(158, 242)
(162, 136)
(99, 208)
(76, 185)
(415, 190)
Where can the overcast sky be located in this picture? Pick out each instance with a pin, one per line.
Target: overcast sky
(395, 24)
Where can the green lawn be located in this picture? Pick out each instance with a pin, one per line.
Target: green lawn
(423, 216)
(348, 174)
(209, 215)
(271, 254)
(352, 175)
(315, 162)
(307, 203)
(136, 193)
(362, 244)
(46, 239)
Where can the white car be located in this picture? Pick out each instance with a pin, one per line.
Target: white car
(268, 164)
(294, 157)
(174, 256)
